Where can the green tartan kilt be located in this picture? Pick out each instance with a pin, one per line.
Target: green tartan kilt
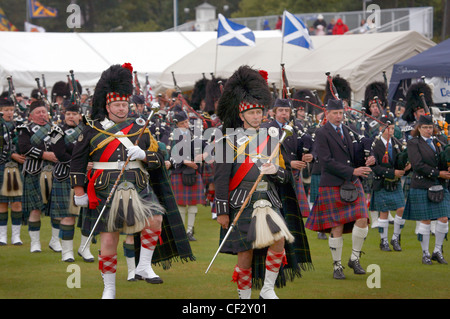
(92, 215)
(60, 199)
(32, 197)
(8, 199)
(314, 187)
(418, 207)
(384, 201)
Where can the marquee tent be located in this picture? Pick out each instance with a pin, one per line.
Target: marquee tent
(434, 62)
(27, 55)
(359, 58)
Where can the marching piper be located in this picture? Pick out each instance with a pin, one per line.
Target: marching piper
(340, 206)
(132, 199)
(34, 143)
(269, 240)
(61, 205)
(387, 193)
(11, 179)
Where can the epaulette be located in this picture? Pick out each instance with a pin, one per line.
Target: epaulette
(23, 126)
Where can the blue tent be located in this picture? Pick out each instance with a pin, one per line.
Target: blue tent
(434, 62)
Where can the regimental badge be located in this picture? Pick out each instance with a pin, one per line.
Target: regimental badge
(273, 131)
(140, 121)
(80, 138)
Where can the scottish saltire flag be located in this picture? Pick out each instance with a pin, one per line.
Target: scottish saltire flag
(295, 31)
(233, 34)
(37, 10)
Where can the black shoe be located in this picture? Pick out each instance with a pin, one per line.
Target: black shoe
(154, 280)
(437, 256)
(426, 260)
(191, 237)
(384, 245)
(355, 265)
(321, 235)
(338, 270)
(395, 242)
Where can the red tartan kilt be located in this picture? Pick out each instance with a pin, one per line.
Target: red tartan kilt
(303, 202)
(330, 211)
(188, 195)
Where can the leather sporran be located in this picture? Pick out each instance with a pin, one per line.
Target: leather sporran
(46, 182)
(12, 181)
(189, 176)
(389, 185)
(348, 192)
(436, 193)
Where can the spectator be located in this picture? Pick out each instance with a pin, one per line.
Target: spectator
(320, 21)
(279, 24)
(340, 27)
(266, 25)
(320, 30)
(363, 27)
(330, 27)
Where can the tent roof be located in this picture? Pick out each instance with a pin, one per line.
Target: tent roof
(28, 55)
(359, 58)
(430, 63)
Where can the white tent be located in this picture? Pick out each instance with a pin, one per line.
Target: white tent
(358, 58)
(27, 55)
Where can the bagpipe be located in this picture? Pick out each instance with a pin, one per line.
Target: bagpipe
(18, 108)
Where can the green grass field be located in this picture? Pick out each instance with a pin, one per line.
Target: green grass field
(401, 274)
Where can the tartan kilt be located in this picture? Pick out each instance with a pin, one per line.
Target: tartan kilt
(207, 173)
(301, 194)
(92, 215)
(384, 201)
(60, 199)
(330, 211)
(314, 187)
(406, 185)
(418, 207)
(32, 197)
(188, 195)
(9, 199)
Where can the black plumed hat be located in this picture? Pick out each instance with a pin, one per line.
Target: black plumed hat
(199, 93)
(61, 89)
(342, 87)
(246, 86)
(213, 93)
(414, 100)
(375, 89)
(116, 79)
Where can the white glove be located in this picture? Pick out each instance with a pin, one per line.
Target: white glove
(136, 153)
(268, 169)
(81, 201)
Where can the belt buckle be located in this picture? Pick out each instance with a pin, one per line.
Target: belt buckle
(262, 186)
(120, 165)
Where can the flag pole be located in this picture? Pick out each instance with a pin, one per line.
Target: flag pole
(215, 61)
(282, 47)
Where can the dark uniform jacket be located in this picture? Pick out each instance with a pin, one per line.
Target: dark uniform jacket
(336, 156)
(424, 163)
(382, 170)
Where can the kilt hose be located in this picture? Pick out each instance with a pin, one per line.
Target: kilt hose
(384, 201)
(297, 253)
(419, 207)
(60, 199)
(314, 187)
(188, 195)
(32, 197)
(173, 244)
(9, 199)
(301, 194)
(330, 211)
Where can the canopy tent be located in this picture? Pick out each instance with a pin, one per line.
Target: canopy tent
(27, 55)
(359, 58)
(434, 62)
